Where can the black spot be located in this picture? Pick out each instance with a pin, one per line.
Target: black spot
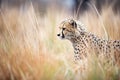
(117, 45)
(114, 47)
(118, 42)
(103, 40)
(100, 45)
(82, 46)
(108, 46)
(94, 39)
(98, 39)
(75, 48)
(87, 40)
(78, 49)
(77, 52)
(114, 42)
(75, 56)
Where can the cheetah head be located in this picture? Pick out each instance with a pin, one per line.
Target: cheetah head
(70, 29)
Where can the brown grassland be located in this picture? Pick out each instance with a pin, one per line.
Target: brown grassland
(30, 49)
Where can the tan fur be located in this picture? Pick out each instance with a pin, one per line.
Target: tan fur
(75, 32)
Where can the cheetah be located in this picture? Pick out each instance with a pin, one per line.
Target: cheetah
(75, 32)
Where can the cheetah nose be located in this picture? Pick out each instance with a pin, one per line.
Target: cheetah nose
(58, 34)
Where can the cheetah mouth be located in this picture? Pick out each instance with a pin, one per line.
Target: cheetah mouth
(62, 37)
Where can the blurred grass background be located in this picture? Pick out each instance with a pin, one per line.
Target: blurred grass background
(30, 49)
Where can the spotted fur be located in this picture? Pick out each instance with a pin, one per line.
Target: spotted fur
(82, 40)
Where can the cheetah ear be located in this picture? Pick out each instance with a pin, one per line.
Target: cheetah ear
(73, 23)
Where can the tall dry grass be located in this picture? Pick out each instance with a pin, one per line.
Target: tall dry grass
(30, 49)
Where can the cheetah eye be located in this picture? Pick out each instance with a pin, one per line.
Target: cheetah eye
(63, 28)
